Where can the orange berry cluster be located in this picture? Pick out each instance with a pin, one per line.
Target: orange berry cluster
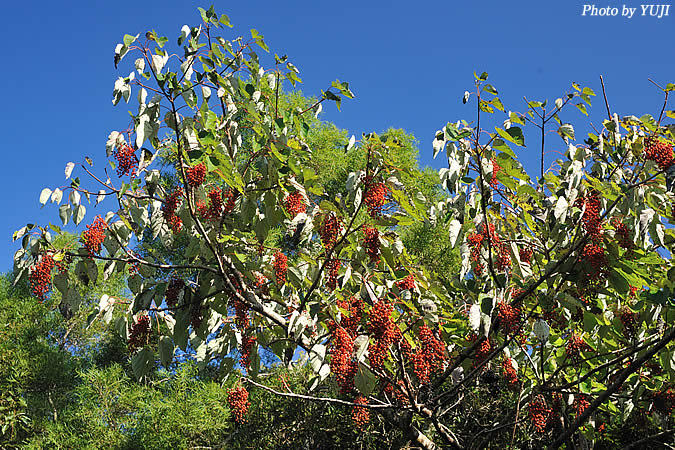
(540, 413)
(241, 318)
(173, 290)
(294, 204)
(196, 175)
(429, 357)
(659, 151)
(40, 276)
(329, 230)
(280, 267)
(510, 318)
(580, 404)
(596, 258)
(360, 415)
(247, 343)
(375, 196)
(230, 199)
(171, 202)
(622, 234)
(525, 255)
(371, 242)
(94, 236)
(215, 205)
(383, 331)
(354, 307)
(483, 350)
(495, 170)
(140, 333)
(237, 399)
(342, 363)
(576, 345)
(629, 320)
(503, 257)
(407, 283)
(509, 371)
(591, 216)
(332, 269)
(126, 160)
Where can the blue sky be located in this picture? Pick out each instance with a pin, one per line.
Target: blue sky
(407, 62)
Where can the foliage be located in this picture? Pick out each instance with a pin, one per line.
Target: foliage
(564, 294)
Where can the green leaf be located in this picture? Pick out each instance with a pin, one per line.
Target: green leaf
(142, 362)
(513, 134)
(365, 380)
(80, 211)
(166, 349)
(44, 196)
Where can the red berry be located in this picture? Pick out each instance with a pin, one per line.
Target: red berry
(280, 267)
(171, 202)
(126, 160)
(329, 231)
(360, 415)
(140, 333)
(375, 196)
(659, 151)
(294, 203)
(371, 242)
(237, 399)
(196, 175)
(332, 270)
(94, 236)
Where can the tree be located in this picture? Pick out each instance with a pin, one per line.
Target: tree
(563, 303)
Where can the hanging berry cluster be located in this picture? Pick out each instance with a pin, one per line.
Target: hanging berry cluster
(126, 160)
(495, 170)
(664, 401)
(429, 358)
(354, 308)
(294, 204)
(237, 399)
(241, 318)
(140, 333)
(525, 255)
(197, 315)
(540, 413)
(342, 363)
(173, 290)
(407, 283)
(94, 236)
(172, 201)
(591, 216)
(580, 404)
(659, 151)
(502, 255)
(196, 175)
(375, 196)
(40, 276)
(576, 345)
(360, 415)
(215, 205)
(371, 242)
(622, 234)
(629, 320)
(483, 350)
(383, 331)
(247, 343)
(597, 262)
(230, 199)
(329, 231)
(280, 267)
(509, 371)
(332, 269)
(510, 318)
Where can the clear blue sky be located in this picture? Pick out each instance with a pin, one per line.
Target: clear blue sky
(408, 63)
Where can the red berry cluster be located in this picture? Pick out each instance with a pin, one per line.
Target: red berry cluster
(659, 151)
(134, 266)
(342, 363)
(502, 255)
(591, 216)
(360, 415)
(294, 203)
(354, 307)
(375, 196)
(596, 258)
(94, 236)
(230, 199)
(40, 276)
(429, 357)
(407, 283)
(332, 269)
(280, 267)
(510, 318)
(629, 320)
(576, 345)
(241, 318)
(261, 283)
(483, 350)
(525, 255)
(371, 242)
(580, 404)
(173, 290)
(215, 205)
(329, 230)
(664, 401)
(140, 333)
(540, 413)
(197, 316)
(126, 160)
(383, 331)
(247, 343)
(196, 175)
(169, 210)
(237, 398)
(622, 234)
(495, 170)
(509, 371)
